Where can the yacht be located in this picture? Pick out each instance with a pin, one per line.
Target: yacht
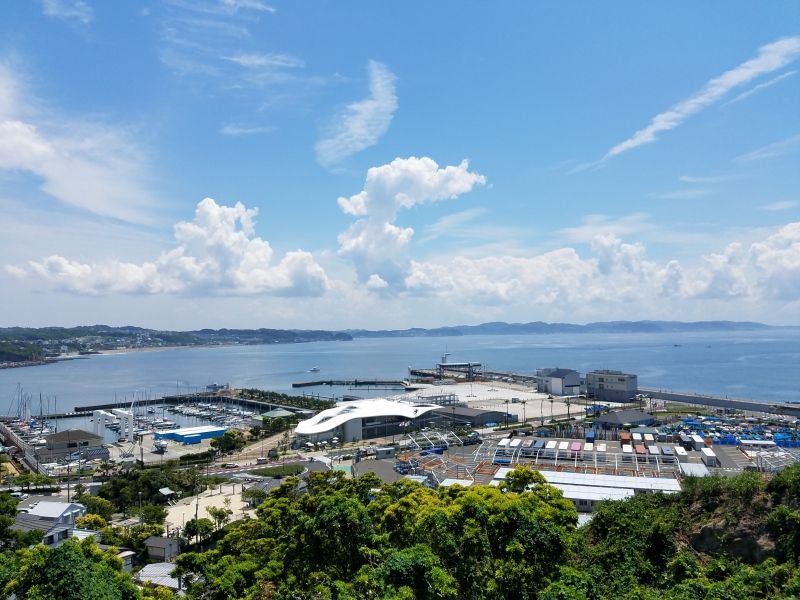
(314, 370)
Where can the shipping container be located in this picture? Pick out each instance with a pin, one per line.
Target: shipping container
(708, 456)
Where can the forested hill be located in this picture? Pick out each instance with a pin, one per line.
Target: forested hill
(28, 343)
(503, 328)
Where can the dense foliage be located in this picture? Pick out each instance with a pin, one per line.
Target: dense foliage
(338, 538)
(358, 539)
(720, 538)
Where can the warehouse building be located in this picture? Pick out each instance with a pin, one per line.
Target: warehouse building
(612, 386)
(559, 382)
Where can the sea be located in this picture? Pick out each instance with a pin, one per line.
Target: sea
(761, 365)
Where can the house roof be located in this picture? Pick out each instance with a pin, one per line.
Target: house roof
(624, 416)
(159, 574)
(26, 522)
(73, 435)
(53, 510)
(157, 541)
(561, 373)
(330, 419)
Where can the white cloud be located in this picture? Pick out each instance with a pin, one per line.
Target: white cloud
(686, 194)
(69, 10)
(255, 5)
(92, 166)
(594, 225)
(760, 86)
(361, 123)
(771, 57)
(774, 150)
(217, 252)
(376, 283)
(776, 206)
(233, 130)
(618, 277)
(271, 60)
(16, 272)
(374, 243)
(707, 179)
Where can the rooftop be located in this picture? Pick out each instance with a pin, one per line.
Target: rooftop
(332, 418)
(73, 435)
(52, 510)
(159, 574)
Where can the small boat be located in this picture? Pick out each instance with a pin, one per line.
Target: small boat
(159, 445)
(151, 411)
(314, 370)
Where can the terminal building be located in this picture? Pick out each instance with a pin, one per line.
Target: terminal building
(363, 419)
(612, 386)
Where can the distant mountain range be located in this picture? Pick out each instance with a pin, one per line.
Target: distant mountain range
(502, 328)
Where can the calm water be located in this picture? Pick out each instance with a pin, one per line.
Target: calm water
(755, 365)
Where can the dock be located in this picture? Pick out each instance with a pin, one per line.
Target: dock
(384, 383)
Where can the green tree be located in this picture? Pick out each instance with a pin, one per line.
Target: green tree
(97, 506)
(73, 571)
(254, 495)
(220, 515)
(231, 441)
(91, 521)
(199, 528)
(153, 514)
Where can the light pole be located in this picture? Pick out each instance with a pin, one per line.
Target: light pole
(141, 514)
(524, 416)
(506, 402)
(541, 411)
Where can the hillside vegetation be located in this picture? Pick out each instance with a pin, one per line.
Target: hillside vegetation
(721, 538)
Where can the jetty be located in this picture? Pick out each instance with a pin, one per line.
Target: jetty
(381, 383)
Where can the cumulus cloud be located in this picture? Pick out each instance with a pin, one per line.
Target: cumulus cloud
(374, 243)
(69, 10)
(92, 166)
(361, 124)
(217, 252)
(617, 274)
(770, 58)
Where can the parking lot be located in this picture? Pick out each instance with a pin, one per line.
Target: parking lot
(479, 462)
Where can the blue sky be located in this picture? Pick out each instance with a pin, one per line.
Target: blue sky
(240, 163)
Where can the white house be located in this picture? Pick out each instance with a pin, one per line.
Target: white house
(58, 513)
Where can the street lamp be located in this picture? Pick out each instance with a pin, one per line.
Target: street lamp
(141, 514)
(541, 411)
(524, 416)
(506, 402)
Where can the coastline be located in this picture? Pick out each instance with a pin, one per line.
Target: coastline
(116, 351)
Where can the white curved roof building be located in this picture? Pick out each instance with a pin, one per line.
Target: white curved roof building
(352, 420)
